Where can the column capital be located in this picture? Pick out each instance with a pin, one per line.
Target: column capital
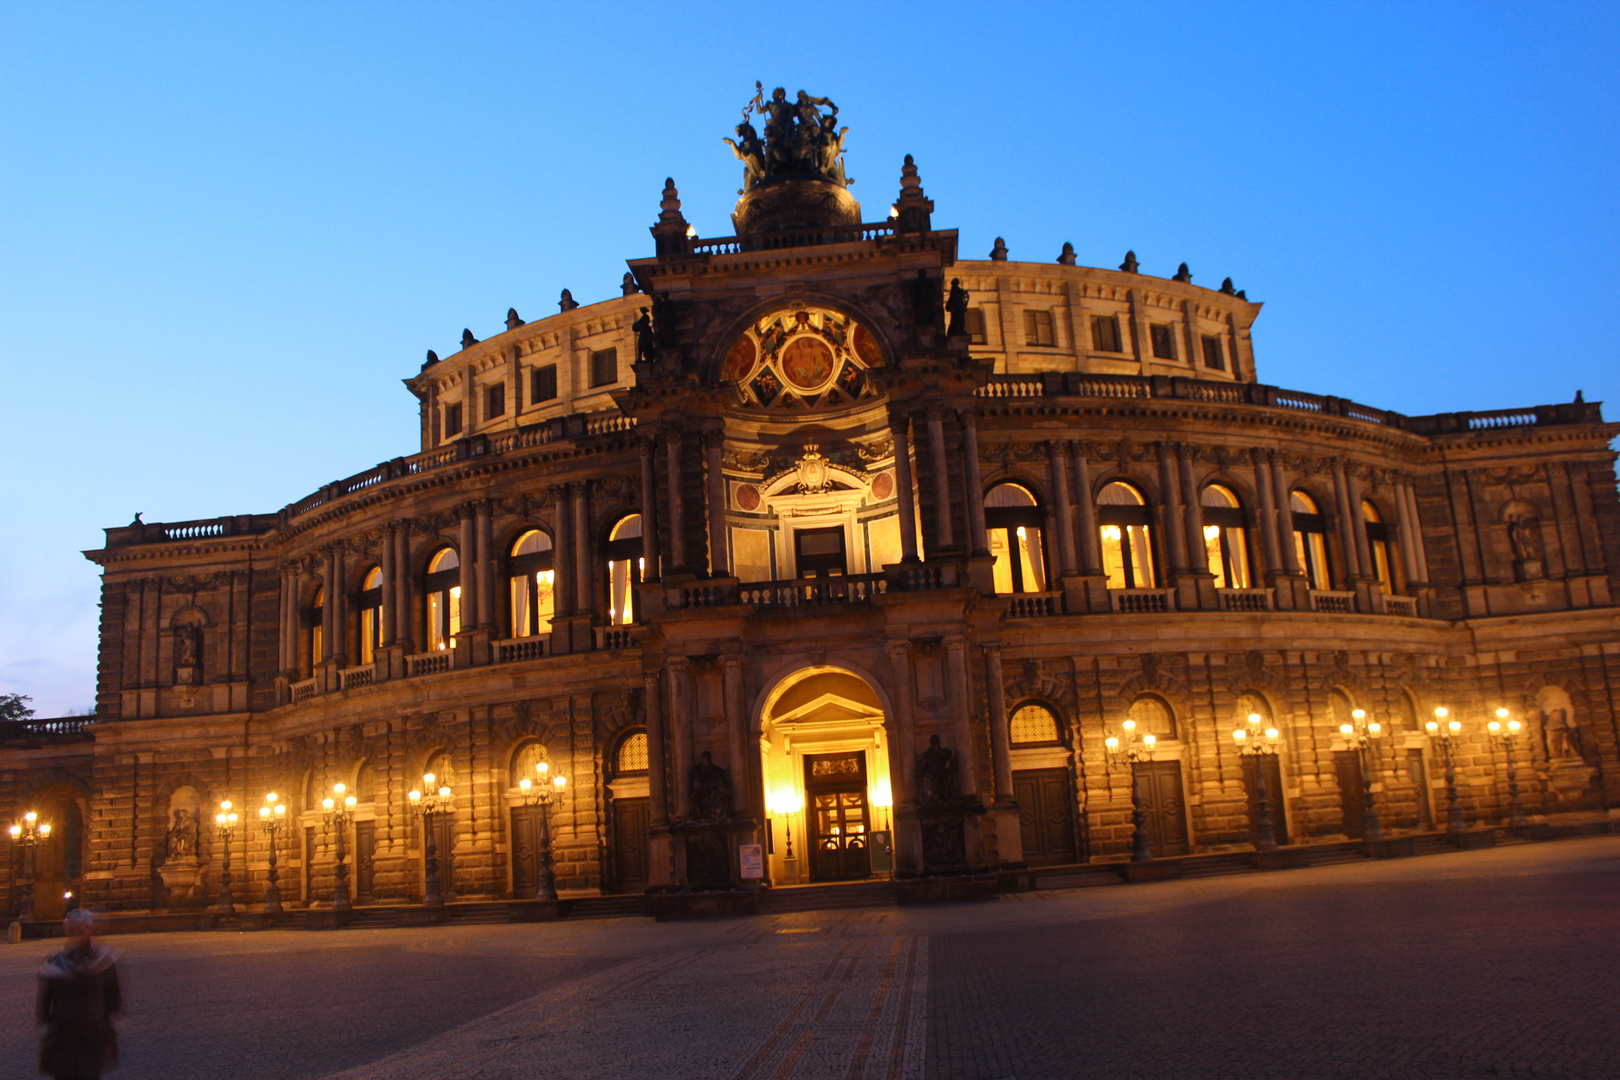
(678, 663)
(897, 648)
(992, 648)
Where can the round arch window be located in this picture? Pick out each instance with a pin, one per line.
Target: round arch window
(1034, 725)
(1013, 520)
(625, 567)
(1226, 538)
(1127, 543)
(443, 588)
(531, 580)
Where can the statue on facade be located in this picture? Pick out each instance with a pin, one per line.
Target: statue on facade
(663, 321)
(1564, 736)
(799, 139)
(936, 774)
(646, 347)
(188, 647)
(181, 840)
(956, 305)
(710, 789)
(751, 152)
(1523, 538)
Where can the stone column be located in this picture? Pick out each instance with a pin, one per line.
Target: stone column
(942, 477)
(680, 714)
(677, 531)
(1192, 508)
(1403, 516)
(584, 594)
(390, 610)
(562, 550)
(1090, 549)
(1418, 568)
(403, 586)
(903, 736)
(1170, 504)
(467, 554)
(715, 496)
(486, 566)
(285, 650)
(736, 731)
(1285, 518)
(658, 797)
(1268, 513)
(978, 540)
(649, 508)
(902, 487)
(1358, 524)
(328, 606)
(1000, 740)
(960, 690)
(1059, 480)
(1347, 541)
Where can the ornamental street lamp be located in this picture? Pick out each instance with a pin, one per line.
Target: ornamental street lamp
(430, 806)
(1443, 733)
(29, 832)
(1360, 733)
(1134, 748)
(1259, 742)
(538, 793)
(272, 816)
(1506, 731)
(338, 811)
(225, 825)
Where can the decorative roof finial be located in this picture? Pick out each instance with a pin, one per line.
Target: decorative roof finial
(1226, 287)
(512, 320)
(1130, 264)
(1182, 273)
(567, 303)
(999, 252)
(1066, 257)
(432, 358)
(628, 286)
(669, 234)
(467, 340)
(1580, 398)
(913, 206)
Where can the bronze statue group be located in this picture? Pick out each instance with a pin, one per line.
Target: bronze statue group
(800, 140)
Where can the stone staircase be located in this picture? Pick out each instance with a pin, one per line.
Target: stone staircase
(1234, 862)
(604, 907)
(847, 894)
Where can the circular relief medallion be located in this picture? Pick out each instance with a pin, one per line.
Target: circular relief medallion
(883, 486)
(807, 362)
(867, 348)
(739, 361)
(748, 497)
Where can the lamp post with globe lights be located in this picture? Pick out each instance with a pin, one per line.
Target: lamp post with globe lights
(272, 816)
(539, 792)
(1131, 749)
(1443, 733)
(1259, 742)
(337, 810)
(1361, 733)
(435, 801)
(1505, 730)
(225, 826)
(28, 832)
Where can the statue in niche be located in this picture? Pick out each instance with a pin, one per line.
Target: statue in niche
(936, 774)
(188, 647)
(710, 788)
(1564, 738)
(646, 347)
(1522, 535)
(181, 840)
(956, 305)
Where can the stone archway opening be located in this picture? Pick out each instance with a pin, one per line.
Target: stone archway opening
(824, 757)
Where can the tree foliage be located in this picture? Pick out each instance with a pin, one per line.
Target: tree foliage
(15, 707)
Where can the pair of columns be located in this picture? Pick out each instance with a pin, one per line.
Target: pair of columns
(714, 501)
(673, 682)
(959, 704)
(932, 420)
(572, 591)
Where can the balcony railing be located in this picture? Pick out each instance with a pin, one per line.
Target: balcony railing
(428, 663)
(1035, 604)
(523, 648)
(615, 637)
(1333, 602)
(1401, 605)
(61, 727)
(349, 678)
(1142, 601)
(809, 592)
(1244, 599)
(303, 691)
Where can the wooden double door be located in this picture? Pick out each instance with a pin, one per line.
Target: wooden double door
(1274, 795)
(837, 817)
(1158, 785)
(1046, 816)
(630, 845)
(1347, 765)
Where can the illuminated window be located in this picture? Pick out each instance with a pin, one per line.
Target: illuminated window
(1127, 548)
(632, 755)
(1153, 717)
(371, 609)
(1378, 546)
(1310, 540)
(1033, 725)
(1226, 541)
(625, 567)
(443, 588)
(1013, 520)
(530, 579)
(317, 628)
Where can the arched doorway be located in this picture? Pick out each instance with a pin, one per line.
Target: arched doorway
(58, 860)
(825, 762)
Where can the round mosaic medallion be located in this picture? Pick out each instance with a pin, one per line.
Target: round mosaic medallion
(739, 361)
(807, 362)
(748, 497)
(883, 486)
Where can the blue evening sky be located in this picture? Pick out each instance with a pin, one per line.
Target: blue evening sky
(227, 231)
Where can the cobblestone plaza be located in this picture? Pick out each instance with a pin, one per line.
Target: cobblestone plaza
(1480, 963)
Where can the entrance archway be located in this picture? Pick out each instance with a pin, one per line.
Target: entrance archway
(825, 762)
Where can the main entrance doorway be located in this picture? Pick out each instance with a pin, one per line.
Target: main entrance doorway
(1044, 816)
(835, 786)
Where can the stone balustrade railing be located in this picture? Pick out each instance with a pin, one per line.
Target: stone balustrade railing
(60, 727)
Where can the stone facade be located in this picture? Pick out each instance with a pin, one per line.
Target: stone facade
(792, 520)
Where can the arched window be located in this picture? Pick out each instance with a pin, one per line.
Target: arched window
(1248, 704)
(442, 768)
(1034, 725)
(1013, 519)
(1340, 705)
(443, 588)
(1127, 546)
(631, 759)
(1310, 540)
(530, 580)
(624, 569)
(365, 779)
(1378, 545)
(370, 609)
(317, 627)
(1153, 717)
(1226, 540)
(524, 759)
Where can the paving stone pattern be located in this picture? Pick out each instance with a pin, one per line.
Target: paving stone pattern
(1476, 964)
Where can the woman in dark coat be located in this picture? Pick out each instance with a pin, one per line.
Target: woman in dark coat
(78, 997)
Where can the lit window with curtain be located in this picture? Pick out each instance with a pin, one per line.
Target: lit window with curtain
(1310, 540)
(1378, 545)
(530, 580)
(1226, 538)
(443, 589)
(317, 627)
(1014, 520)
(625, 566)
(370, 608)
(1127, 545)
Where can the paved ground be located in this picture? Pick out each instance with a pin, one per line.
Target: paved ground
(1476, 964)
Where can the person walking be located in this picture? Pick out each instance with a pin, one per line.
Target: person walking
(78, 997)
